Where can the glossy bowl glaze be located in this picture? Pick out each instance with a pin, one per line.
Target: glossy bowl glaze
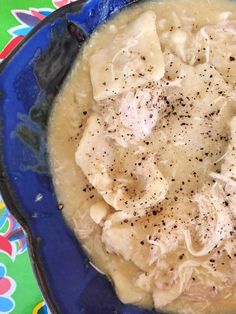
(30, 78)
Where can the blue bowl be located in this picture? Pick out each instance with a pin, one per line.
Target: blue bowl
(30, 78)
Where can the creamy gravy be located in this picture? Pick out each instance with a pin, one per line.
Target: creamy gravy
(159, 251)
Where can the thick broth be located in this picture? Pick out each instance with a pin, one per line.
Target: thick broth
(70, 112)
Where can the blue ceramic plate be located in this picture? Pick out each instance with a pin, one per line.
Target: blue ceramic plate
(29, 80)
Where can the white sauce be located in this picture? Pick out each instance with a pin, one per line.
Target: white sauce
(142, 145)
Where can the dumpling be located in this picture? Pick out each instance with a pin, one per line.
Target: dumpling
(127, 180)
(133, 58)
(219, 45)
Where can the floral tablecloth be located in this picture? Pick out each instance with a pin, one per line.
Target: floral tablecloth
(19, 292)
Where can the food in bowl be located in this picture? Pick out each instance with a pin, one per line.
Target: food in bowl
(142, 145)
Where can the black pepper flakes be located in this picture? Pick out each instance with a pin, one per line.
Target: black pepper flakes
(60, 206)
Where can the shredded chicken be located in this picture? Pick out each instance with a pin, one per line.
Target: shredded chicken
(130, 117)
(215, 224)
(161, 151)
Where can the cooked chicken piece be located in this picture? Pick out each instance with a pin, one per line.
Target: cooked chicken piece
(214, 223)
(176, 283)
(132, 59)
(131, 116)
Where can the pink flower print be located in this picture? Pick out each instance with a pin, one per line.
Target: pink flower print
(61, 3)
(7, 288)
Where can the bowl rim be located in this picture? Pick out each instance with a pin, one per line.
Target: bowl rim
(5, 187)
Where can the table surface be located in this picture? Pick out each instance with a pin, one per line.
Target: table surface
(19, 292)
